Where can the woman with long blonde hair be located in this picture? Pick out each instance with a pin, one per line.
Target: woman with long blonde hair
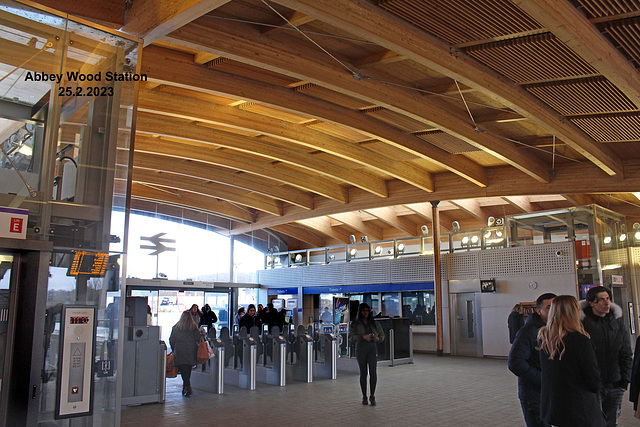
(570, 374)
(184, 340)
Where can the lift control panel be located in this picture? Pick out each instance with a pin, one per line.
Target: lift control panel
(75, 362)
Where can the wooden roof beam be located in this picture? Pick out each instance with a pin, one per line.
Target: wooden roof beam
(521, 202)
(189, 108)
(353, 220)
(207, 188)
(296, 177)
(192, 132)
(473, 208)
(301, 234)
(388, 216)
(152, 19)
(175, 68)
(570, 26)
(295, 19)
(323, 225)
(240, 43)
(365, 19)
(247, 181)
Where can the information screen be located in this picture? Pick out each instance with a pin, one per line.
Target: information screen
(90, 263)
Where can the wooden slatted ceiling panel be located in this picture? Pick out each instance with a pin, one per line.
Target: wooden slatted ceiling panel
(331, 96)
(611, 129)
(626, 34)
(398, 120)
(480, 19)
(584, 96)
(274, 112)
(532, 59)
(447, 142)
(603, 8)
(250, 72)
(338, 131)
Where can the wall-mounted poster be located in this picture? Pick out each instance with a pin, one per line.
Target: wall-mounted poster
(340, 310)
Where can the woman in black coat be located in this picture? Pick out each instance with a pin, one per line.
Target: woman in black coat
(184, 340)
(570, 374)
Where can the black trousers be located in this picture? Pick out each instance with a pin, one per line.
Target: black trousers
(185, 373)
(367, 360)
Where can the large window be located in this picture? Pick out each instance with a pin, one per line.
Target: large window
(191, 252)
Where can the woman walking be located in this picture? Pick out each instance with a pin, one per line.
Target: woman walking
(365, 332)
(570, 374)
(184, 340)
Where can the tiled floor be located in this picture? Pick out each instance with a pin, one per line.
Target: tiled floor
(435, 391)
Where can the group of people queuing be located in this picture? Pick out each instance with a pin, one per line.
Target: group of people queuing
(268, 315)
(573, 360)
(421, 315)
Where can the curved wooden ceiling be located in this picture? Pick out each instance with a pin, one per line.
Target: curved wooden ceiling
(318, 119)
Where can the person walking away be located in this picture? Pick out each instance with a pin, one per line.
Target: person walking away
(208, 317)
(603, 321)
(184, 340)
(524, 361)
(515, 321)
(570, 375)
(365, 332)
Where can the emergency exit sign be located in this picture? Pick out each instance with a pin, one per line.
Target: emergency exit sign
(13, 223)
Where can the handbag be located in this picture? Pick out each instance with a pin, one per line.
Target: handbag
(172, 370)
(203, 353)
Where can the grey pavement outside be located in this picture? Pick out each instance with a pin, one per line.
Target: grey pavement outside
(434, 391)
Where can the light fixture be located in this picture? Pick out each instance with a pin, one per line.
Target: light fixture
(637, 235)
(297, 258)
(455, 225)
(611, 267)
(499, 233)
(623, 237)
(401, 248)
(352, 239)
(425, 230)
(474, 239)
(607, 240)
(364, 239)
(332, 257)
(465, 240)
(276, 260)
(378, 250)
(353, 252)
(487, 235)
(25, 150)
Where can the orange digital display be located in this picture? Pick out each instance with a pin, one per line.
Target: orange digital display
(89, 263)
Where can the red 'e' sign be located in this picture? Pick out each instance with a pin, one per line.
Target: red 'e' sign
(16, 225)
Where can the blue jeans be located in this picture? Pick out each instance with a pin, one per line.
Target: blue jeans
(531, 412)
(612, 404)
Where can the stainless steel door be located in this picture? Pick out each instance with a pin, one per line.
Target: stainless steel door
(467, 336)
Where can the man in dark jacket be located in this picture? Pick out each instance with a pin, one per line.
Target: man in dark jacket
(603, 320)
(524, 361)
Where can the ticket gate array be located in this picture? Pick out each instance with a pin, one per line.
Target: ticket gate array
(248, 358)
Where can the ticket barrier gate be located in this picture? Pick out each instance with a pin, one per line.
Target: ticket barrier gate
(302, 370)
(329, 345)
(275, 345)
(211, 378)
(247, 376)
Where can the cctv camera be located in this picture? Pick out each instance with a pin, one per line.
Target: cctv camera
(424, 229)
(455, 225)
(352, 239)
(490, 221)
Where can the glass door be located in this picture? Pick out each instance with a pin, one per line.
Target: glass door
(219, 303)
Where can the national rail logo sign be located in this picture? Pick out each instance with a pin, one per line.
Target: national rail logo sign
(13, 223)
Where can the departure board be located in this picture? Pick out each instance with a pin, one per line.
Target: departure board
(89, 263)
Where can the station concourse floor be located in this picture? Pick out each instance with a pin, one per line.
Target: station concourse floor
(434, 391)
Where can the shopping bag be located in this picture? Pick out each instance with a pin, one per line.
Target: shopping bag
(172, 371)
(203, 353)
(211, 351)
